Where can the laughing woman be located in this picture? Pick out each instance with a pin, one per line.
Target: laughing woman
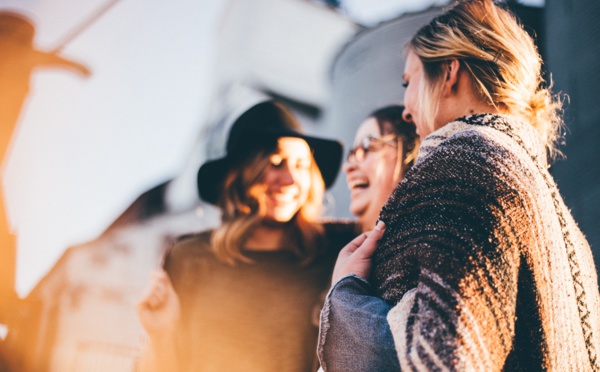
(385, 148)
(246, 296)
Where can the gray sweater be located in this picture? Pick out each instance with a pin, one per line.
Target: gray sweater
(482, 261)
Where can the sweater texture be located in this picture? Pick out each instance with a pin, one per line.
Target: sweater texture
(259, 316)
(481, 259)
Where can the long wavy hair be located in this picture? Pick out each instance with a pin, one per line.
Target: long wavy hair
(500, 56)
(242, 203)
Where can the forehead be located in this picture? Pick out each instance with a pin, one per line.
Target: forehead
(413, 64)
(292, 146)
(368, 127)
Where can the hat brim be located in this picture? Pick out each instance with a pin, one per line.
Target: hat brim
(210, 179)
(326, 152)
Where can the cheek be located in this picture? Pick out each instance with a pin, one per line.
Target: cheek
(383, 173)
(257, 192)
(304, 183)
(368, 165)
(411, 98)
(267, 178)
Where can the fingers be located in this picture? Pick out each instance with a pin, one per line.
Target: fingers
(355, 258)
(355, 243)
(157, 292)
(369, 244)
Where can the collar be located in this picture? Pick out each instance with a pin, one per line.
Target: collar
(489, 125)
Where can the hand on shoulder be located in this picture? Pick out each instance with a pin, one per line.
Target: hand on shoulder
(355, 257)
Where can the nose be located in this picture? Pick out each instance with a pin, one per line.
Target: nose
(350, 165)
(286, 176)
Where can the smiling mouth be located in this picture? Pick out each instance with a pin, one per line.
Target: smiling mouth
(283, 198)
(358, 184)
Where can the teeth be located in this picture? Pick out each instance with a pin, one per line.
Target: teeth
(357, 183)
(283, 198)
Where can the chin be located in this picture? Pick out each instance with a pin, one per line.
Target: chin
(282, 217)
(359, 206)
(281, 213)
(358, 213)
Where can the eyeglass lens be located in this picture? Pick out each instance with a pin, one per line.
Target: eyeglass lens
(367, 144)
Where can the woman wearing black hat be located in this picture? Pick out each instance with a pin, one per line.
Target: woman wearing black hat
(246, 296)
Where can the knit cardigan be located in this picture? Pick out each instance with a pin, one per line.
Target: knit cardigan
(482, 261)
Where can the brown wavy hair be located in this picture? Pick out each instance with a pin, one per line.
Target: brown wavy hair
(243, 207)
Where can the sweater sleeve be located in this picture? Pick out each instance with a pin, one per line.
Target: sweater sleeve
(354, 334)
(448, 263)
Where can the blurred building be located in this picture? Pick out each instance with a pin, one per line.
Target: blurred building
(81, 315)
(332, 73)
(573, 52)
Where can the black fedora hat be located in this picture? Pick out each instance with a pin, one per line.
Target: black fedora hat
(256, 128)
(16, 38)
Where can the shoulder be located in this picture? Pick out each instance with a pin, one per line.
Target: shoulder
(465, 166)
(488, 137)
(194, 238)
(188, 247)
(461, 141)
(188, 262)
(197, 241)
(467, 155)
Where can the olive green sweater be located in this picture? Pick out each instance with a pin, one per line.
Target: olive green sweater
(260, 316)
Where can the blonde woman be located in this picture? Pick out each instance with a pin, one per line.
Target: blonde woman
(480, 265)
(246, 296)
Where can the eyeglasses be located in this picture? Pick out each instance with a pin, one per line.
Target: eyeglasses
(370, 144)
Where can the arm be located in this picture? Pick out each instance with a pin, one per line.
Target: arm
(449, 262)
(354, 334)
(159, 312)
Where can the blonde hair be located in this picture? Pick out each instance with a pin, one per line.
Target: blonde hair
(501, 58)
(243, 207)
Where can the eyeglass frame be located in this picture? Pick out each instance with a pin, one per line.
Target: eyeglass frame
(359, 152)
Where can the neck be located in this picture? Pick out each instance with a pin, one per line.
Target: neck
(267, 237)
(462, 100)
(369, 219)
(470, 109)
(478, 107)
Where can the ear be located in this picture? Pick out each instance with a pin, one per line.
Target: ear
(452, 66)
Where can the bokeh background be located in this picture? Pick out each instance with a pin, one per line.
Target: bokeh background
(101, 174)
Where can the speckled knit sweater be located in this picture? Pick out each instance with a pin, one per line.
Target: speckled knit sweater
(482, 261)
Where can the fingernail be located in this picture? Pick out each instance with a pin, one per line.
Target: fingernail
(380, 225)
